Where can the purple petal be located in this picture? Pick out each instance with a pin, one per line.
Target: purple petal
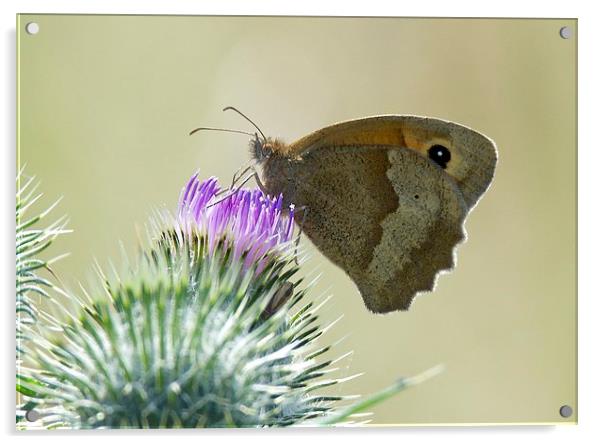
(252, 223)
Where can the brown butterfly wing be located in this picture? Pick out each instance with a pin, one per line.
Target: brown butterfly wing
(347, 195)
(377, 205)
(387, 216)
(418, 239)
(473, 155)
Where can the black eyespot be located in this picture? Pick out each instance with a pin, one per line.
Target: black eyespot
(416, 196)
(440, 155)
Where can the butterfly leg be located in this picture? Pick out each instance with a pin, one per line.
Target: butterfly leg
(259, 182)
(240, 173)
(231, 192)
(235, 179)
(252, 173)
(238, 178)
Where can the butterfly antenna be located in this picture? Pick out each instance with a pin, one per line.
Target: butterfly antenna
(247, 119)
(206, 128)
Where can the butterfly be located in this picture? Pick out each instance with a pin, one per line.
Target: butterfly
(384, 197)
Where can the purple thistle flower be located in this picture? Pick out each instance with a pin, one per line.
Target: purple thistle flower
(252, 223)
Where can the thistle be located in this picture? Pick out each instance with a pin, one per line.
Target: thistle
(207, 329)
(32, 239)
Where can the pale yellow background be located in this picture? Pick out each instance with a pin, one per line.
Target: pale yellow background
(105, 105)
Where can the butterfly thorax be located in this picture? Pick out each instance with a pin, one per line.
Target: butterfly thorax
(278, 169)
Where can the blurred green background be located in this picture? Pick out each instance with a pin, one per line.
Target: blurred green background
(106, 103)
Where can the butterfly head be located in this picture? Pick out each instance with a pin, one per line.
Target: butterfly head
(264, 149)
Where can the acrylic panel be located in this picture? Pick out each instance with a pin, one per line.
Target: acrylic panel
(151, 297)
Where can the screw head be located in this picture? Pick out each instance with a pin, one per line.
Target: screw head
(566, 411)
(32, 416)
(32, 28)
(566, 32)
